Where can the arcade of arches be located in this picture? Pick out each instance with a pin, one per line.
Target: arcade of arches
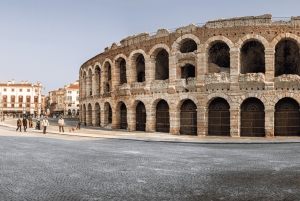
(237, 78)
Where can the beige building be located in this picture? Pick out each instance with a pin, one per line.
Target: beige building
(65, 101)
(230, 77)
(23, 98)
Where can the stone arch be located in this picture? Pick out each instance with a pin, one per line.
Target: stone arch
(287, 57)
(252, 118)
(120, 70)
(97, 114)
(106, 76)
(140, 115)
(83, 84)
(154, 50)
(179, 41)
(83, 115)
(107, 114)
(89, 115)
(89, 82)
(219, 117)
(97, 80)
(138, 61)
(287, 117)
(188, 70)
(188, 118)
(252, 37)
(252, 57)
(121, 115)
(288, 36)
(162, 123)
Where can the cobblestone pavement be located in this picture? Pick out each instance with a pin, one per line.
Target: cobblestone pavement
(58, 167)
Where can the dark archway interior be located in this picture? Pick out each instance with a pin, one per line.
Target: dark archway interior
(123, 78)
(219, 55)
(123, 122)
(252, 118)
(287, 118)
(98, 114)
(108, 72)
(98, 79)
(252, 58)
(162, 65)
(140, 117)
(162, 117)
(286, 58)
(188, 46)
(187, 71)
(109, 118)
(219, 118)
(188, 118)
(140, 68)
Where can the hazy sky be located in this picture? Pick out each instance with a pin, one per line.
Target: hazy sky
(48, 40)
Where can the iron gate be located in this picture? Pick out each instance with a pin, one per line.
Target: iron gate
(188, 118)
(287, 118)
(162, 117)
(219, 118)
(123, 123)
(140, 117)
(252, 118)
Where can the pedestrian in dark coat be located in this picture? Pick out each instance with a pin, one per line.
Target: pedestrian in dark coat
(19, 125)
(24, 123)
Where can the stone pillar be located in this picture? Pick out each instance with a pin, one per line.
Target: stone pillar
(270, 68)
(94, 117)
(174, 121)
(201, 68)
(269, 121)
(130, 72)
(150, 118)
(234, 68)
(172, 73)
(116, 117)
(131, 119)
(149, 72)
(103, 116)
(202, 120)
(235, 116)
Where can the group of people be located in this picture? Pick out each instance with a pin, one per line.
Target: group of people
(45, 123)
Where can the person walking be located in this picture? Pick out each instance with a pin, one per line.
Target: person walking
(30, 121)
(24, 123)
(45, 123)
(61, 123)
(19, 125)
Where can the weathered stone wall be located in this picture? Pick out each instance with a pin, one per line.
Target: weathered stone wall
(218, 42)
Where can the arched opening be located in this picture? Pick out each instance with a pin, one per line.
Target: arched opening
(108, 72)
(140, 68)
(219, 58)
(69, 113)
(109, 115)
(252, 58)
(187, 71)
(188, 118)
(286, 58)
(89, 83)
(97, 114)
(107, 89)
(123, 78)
(287, 118)
(83, 87)
(123, 114)
(83, 115)
(188, 45)
(140, 117)
(97, 79)
(162, 117)
(89, 115)
(219, 118)
(252, 118)
(162, 65)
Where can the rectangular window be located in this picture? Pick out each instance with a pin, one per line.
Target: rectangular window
(28, 90)
(12, 89)
(4, 89)
(20, 90)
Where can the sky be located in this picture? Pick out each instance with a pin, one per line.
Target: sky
(48, 41)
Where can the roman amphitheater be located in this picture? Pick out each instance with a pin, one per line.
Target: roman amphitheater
(229, 77)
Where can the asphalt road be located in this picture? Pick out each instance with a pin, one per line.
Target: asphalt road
(40, 167)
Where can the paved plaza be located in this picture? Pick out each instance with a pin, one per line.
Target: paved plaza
(63, 167)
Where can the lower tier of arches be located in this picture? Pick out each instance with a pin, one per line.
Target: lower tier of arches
(250, 118)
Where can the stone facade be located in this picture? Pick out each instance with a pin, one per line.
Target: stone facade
(231, 77)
